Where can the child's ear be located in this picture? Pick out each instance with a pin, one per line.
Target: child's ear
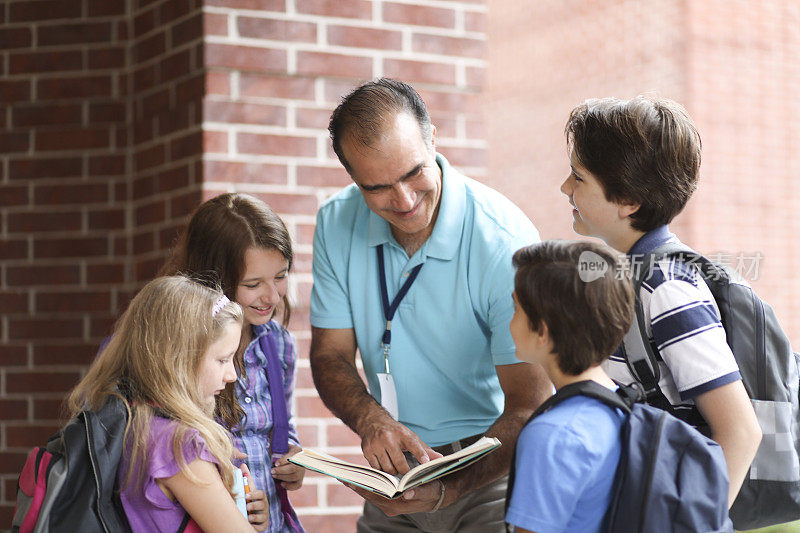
(625, 210)
(543, 334)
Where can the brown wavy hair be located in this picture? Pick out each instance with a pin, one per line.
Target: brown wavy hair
(212, 249)
(645, 150)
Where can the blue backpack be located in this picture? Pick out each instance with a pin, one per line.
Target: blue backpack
(670, 477)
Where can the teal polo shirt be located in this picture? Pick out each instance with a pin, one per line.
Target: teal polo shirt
(451, 329)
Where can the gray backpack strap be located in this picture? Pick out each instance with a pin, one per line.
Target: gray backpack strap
(639, 353)
(639, 356)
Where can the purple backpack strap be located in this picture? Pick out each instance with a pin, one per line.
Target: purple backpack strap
(280, 422)
(280, 414)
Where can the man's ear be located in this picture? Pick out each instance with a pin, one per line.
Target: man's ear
(433, 138)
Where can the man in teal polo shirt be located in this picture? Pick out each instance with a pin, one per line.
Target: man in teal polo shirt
(412, 268)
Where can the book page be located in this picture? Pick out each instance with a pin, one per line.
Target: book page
(364, 476)
(386, 484)
(449, 463)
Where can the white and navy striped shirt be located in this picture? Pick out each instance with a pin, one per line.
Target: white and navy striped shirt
(683, 321)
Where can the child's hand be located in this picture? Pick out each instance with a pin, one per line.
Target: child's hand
(257, 505)
(238, 455)
(258, 510)
(290, 475)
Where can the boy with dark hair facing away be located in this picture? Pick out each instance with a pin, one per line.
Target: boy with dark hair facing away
(573, 303)
(634, 165)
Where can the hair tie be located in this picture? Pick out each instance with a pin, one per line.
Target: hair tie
(222, 302)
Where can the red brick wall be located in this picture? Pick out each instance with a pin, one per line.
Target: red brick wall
(64, 206)
(733, 65)
(123, 115)
(166, 84)
(273, 78)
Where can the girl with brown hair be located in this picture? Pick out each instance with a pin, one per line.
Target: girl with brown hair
(238, 241)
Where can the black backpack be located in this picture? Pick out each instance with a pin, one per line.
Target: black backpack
(69, 484)
(770, 493)
(670, 477)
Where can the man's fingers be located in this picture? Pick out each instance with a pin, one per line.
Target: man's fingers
(433, 454)
(422, 452)
(372, 459)
(386, 463)
(399, 462)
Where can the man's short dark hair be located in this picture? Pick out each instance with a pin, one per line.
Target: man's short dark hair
(365, 112)
(644, 150)
(558, 284)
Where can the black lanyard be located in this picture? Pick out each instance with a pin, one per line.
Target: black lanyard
(390, 309)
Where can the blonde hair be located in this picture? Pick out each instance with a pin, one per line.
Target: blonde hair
(152, 362)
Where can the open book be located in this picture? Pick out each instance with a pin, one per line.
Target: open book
(389, 485)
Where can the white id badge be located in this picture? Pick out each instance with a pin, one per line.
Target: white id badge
(389, 395)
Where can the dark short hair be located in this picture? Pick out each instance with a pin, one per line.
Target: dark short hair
(645, 150)
(586, 318)
(366, 110)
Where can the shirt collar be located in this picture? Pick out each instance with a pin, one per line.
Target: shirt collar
(651, 240)
(445, 238)
(254, 348)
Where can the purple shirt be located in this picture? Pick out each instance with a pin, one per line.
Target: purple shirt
(148, 508)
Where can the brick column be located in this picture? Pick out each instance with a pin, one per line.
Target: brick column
(123, 115)
(63, 203)
(166, 97)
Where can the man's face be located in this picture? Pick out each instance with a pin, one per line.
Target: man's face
(398, 175)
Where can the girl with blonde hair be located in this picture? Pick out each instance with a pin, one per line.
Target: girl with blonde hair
(240, 241)
(170, 355)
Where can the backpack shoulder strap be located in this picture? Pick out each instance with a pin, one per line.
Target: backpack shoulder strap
(623, 399)
(105, 436)
(640, 354)
(280, 418)
(280, 422)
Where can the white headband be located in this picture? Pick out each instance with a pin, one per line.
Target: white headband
(222, 302)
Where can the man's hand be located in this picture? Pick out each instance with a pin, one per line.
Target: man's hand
(383, 441)
(525, 386)
(288, 474)
(421, 499)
